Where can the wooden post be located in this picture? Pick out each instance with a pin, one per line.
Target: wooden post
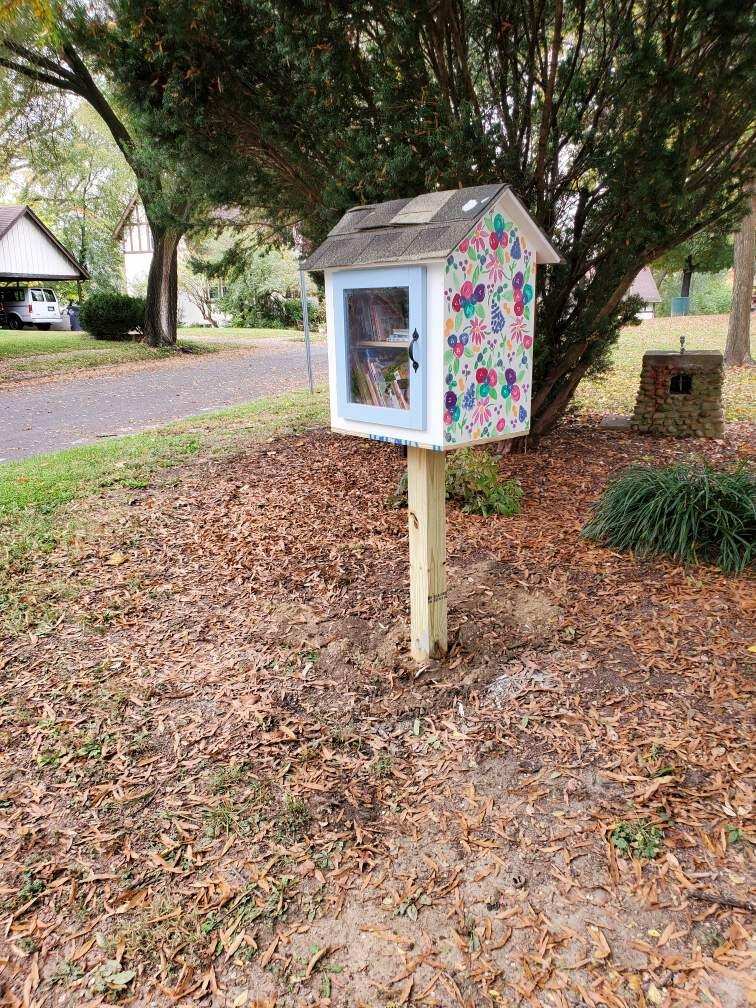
(427, 548)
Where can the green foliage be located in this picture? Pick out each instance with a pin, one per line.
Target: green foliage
(263, 290)
(75, 178)
(710, 293)
(638, 839)
(690, 512)
(109, 315)
(262, 283)
(606, 138)
(707, 252)
(473, 481)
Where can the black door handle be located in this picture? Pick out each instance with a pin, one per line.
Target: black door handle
(415, 338)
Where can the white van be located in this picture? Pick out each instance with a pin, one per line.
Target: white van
(34, 306)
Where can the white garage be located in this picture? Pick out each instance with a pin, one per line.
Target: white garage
(30, 251)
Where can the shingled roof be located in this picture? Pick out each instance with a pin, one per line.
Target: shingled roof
(405, 230)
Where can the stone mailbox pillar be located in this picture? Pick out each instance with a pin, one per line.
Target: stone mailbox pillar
(680, 394)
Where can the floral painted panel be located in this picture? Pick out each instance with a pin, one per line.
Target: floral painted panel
(488, 349)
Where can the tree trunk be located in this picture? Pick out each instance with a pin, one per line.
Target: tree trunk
(687, 276)
(161, 309)
(738, 348)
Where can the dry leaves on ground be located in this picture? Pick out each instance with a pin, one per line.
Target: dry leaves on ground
(223, 782)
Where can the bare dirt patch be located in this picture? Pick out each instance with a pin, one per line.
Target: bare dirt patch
(223, 780)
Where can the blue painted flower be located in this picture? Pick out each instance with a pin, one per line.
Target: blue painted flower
(515, 249)
(468, 297)
(498, 235)
(469, 397)
(452, 340)
(523, 414)
(497, 318)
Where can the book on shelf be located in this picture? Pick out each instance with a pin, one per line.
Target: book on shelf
(378, 379)
(386, 317)
(377, 318)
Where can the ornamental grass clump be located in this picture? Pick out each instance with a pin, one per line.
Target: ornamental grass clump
(690, 512)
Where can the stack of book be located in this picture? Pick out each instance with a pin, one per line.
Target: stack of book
(380, 371)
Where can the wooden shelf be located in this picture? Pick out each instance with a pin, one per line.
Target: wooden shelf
(383, 345)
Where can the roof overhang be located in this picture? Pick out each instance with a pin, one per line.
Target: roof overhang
(46, 279)
(125, 216)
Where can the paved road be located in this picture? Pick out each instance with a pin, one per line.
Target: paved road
(59, 413)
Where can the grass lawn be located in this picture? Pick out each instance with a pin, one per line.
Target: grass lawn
(231, 332)
(615, 392)
(34, 492)
(28, 354)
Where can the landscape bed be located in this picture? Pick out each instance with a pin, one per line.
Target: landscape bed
(224, 781)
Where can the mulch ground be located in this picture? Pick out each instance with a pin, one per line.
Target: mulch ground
(222, 781)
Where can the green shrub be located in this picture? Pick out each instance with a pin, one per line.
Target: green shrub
(272, 310)
(474, 482)
(687, 511)
(113, 316)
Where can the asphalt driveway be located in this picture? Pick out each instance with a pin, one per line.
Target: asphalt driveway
(60, 413)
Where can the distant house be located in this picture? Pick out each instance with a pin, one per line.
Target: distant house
(30, 251)
(644, 287)
(133, 232)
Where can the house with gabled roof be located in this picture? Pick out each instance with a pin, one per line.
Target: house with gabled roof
(30, 251)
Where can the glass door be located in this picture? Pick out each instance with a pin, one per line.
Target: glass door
(380, 344)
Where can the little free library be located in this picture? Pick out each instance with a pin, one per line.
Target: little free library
(430, 306)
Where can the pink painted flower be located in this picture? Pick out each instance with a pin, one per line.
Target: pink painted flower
(527, 341)
(478, 240)
(517, 329)
(516, 393)
(501, 425)
(464, 245)
(494, 270)
(477, 332)
(481, 413)
(447, 417)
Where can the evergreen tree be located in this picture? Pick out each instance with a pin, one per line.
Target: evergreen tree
(620, 123)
